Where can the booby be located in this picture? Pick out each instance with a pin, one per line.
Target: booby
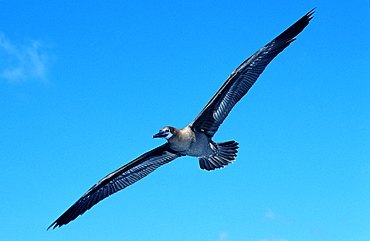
(196, 138)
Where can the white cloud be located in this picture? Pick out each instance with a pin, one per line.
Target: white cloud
(270, 214)
(276, 239)
(273, 216)
(223, 236)
(268, 239)
(20, 62)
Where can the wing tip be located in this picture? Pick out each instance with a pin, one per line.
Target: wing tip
(53, 225)
(308, 16)
(289, 35)
(311, 12)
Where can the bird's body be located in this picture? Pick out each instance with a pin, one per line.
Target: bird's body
(196, 138)
(189, 143)
(186, 141)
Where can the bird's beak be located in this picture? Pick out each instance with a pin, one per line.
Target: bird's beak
(160, 134)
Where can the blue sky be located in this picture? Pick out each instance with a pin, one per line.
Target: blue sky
(85, 86)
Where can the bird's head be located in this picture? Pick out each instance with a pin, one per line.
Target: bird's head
(166, 132)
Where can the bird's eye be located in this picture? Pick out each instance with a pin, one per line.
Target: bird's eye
(167, 130)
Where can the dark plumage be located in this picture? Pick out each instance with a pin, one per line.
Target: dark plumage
(196, 138)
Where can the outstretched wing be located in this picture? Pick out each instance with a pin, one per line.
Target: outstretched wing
(118, 180)
(242, 79)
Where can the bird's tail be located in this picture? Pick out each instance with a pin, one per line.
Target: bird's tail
(225, 154)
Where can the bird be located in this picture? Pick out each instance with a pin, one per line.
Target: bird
(196, 138)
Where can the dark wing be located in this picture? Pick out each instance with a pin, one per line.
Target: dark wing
(242, 79)
(120, 179)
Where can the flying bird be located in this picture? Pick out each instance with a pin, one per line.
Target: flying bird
(196, 138)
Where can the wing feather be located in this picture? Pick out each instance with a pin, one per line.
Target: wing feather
(118, 180)
(242, 79)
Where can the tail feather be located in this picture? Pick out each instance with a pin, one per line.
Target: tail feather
(225, 154)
